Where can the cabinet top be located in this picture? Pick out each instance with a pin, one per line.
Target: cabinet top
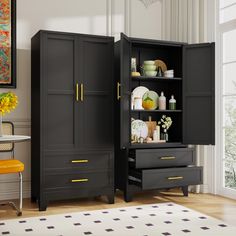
(71, 33)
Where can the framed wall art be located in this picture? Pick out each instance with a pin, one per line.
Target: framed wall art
(8, 44)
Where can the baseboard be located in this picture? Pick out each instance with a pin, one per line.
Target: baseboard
(11, 190)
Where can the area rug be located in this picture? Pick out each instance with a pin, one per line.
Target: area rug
(145, 220)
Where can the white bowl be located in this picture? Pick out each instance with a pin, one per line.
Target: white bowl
(149, 62)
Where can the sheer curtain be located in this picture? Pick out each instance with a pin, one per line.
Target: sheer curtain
(192, 21)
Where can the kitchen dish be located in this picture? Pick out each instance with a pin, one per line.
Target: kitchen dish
(138, 92)
(149, 67)
(139, 129)
(150, 73)
(162, 64)
(149, 62)
(150, 100)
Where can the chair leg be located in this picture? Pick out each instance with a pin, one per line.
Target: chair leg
(20, 194)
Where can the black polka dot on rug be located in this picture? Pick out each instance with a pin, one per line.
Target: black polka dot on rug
(149, 224)
(185, 220)
(186, 231)
(204, 228)
(2, 223)
(5, 233)
(222, 225)
(97, 221)
(129, 227)
(166, 233)
(87, 233)
(109, 230)
(50, 227)
(28, 230)
(168, 222)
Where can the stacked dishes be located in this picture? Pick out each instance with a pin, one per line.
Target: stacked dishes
(169, 73)
(149, 68)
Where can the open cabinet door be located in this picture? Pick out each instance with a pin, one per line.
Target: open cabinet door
(199, 94)
(125, 73)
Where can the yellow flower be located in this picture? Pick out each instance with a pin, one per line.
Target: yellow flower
(8, 102)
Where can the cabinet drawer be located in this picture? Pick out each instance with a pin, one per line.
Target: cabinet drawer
(78, 180)
(151, 158)
(83, 161)
(166, 178)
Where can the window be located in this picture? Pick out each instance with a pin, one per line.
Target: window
(226, 30)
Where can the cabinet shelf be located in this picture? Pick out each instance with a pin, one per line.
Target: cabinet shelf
(156, 145)
(158, 111)
(146, 78)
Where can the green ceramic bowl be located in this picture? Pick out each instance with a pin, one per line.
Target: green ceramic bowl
(149, 62)
(150, 73)
(149, 67)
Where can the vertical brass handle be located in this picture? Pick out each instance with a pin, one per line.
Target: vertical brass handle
(77, 92)
(118, 91)
(81, 92)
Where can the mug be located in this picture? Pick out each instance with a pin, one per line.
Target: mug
(138, 103)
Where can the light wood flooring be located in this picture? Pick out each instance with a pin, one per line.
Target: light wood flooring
(215, 206)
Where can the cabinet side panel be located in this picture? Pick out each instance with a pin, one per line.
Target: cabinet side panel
(35, 115)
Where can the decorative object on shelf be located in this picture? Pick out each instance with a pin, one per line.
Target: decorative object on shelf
(149, 68)
(147, 3)
(151, 127)
(8, 44)
(156, 133)
(139, 131)
(169, 74)
(165, 123)
(138, 92)
(138, 103)
(172, 103)
(159, 72)
(150, 100)
(162, 102)
(133, 64)
(8, 102)
(162, 64)
(135, 74)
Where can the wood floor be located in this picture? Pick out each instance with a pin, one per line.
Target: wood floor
(215, 206)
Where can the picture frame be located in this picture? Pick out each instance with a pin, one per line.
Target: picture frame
(8, 44)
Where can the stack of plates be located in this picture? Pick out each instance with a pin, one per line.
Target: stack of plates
(169, 73)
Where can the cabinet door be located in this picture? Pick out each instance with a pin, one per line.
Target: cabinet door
(95, 105)
(125, 74)
(199, 94)
(57, 79)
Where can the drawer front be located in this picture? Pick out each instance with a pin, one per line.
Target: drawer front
(166, 178)
(83, 161)
(151, 158)
(78, 180)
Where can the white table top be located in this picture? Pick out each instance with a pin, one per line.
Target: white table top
(13, 138)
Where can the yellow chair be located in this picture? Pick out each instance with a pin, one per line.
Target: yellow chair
(9, 166)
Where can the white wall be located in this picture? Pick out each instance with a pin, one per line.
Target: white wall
(104, 17)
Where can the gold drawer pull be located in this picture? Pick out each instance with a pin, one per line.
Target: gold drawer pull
(175, 177)
(168, 158)
(79, 161)
(79, 180)
(118, 91)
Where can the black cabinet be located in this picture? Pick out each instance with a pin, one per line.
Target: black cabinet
(72, 116)
(142, 166)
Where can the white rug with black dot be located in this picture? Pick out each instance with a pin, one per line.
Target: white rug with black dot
(145, 220)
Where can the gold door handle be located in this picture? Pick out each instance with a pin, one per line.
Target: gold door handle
(77, 92)
(79, 161)
(167, 158)
(175, 178)
(79, 180)
(118, 90)
(81, 92)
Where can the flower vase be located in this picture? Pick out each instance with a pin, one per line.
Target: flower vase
(164, 136)
(1, 125)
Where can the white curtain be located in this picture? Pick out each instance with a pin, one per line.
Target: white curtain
(191, 21)
(185, 20)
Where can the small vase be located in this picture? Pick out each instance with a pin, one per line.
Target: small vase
(1, 124)
(164, 136)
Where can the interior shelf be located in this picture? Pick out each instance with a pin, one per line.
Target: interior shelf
(156, 145)
(160, 111)
(146, 78)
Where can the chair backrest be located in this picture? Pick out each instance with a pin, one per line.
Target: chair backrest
(7, 129)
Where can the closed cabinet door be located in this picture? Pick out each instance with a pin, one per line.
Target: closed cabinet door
(58, 93)
(95, 82)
